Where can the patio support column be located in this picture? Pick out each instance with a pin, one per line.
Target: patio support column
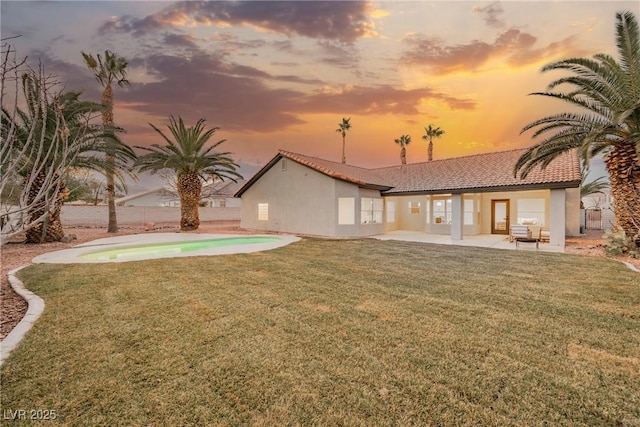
(456, 217)
(557, 217)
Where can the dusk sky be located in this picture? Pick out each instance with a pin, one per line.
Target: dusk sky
(282, 75)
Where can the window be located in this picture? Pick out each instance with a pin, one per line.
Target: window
(427, 209)
(414, 208)
(283, 164)
(263, 211)
(468, 212)
(391, 211)
(531, 211)
(346, 210)
(442, 211)
(371, 210)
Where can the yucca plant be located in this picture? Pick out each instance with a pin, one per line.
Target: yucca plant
(67, 139)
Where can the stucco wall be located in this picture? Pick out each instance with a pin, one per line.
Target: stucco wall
(299, 200)
(303, 201)
(572, 226)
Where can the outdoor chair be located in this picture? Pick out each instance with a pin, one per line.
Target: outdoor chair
(522, 233)
(545, 235)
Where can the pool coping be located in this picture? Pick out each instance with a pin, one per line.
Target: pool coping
(35, 307)
(72, 255)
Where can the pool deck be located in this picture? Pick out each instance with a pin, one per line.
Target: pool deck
(72, 255)
(495, 241)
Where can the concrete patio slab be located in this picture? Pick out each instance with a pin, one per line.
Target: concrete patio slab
(495, 241)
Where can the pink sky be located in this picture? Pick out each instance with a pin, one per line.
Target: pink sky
(277, 75)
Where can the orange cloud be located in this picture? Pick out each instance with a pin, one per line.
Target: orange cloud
(514, 47)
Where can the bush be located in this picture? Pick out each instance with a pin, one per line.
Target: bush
(616, 242)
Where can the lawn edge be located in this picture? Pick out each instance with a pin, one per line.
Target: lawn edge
(631, 266)
(34, 310)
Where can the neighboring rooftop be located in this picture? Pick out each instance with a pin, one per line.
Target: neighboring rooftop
(479, 172)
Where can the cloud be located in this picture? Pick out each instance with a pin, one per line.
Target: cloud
(492, 14)
(345, 21)
(180, 40)
(378, 100)
(339, 54)
(240, 98)
(512, 46)
(69, 76)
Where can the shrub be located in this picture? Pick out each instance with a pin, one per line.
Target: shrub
(616, 242)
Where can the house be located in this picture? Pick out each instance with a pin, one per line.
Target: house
(159, 196)
(461, 196)
(598, 213)
(221, 195)
(218, 195)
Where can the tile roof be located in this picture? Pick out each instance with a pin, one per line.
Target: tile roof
(487, 172)
(354, 174)
(480, 172)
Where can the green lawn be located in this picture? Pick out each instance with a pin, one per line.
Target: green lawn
(322, 332)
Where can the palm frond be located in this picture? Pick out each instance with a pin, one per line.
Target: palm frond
(186, 152)
(609, 93)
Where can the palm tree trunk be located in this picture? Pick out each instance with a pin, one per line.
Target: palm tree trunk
(430, 152)
(110, 192)
(50, 229)
(403, 155)
(623, 166)
(344, 156)
(189, 189)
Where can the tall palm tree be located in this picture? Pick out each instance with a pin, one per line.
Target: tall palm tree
(112, 69)
(431, 132)
(192, 162)
(68, 141)
(608, 92)
(403, 141)
(343, 127)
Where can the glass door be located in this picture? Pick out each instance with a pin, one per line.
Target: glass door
(500, 216)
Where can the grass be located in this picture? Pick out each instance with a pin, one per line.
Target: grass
(323, 332)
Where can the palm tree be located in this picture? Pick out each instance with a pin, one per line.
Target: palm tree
(609, 93)
(68, 141)
(192, 162)
(403, 141)
(343, 127)
(431, 133)
(112, 69)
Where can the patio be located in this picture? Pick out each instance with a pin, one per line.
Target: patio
(496, 241)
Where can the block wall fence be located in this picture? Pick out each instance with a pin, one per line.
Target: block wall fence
(98, 216)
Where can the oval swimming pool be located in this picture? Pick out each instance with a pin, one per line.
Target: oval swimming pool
(164, 249)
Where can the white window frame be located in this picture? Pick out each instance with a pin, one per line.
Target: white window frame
(469, 212)
(346, 210)
(391, 211)
(263, 211)
(371, 210)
